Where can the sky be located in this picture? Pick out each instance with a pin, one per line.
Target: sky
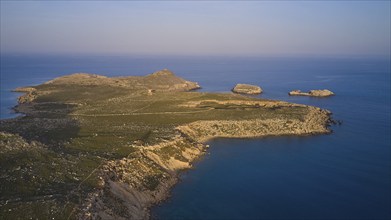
(196, 28)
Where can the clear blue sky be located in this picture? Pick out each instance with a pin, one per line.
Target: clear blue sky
(196, 28)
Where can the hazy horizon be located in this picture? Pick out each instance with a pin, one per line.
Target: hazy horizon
(197, 28)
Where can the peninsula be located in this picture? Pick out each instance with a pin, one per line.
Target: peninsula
(94, 147)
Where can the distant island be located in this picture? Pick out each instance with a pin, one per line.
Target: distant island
(94, 147)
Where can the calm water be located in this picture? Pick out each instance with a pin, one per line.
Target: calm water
(345, 175)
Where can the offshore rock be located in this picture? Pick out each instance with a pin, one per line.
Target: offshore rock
(314, 93)
(247, 89)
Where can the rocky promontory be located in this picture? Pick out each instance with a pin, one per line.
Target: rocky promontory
(97, 147)
(247, 89)
(314, 93)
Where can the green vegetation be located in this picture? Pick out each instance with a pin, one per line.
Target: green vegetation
(52, 158)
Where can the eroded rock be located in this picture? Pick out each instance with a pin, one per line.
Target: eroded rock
(247, 89)
(315, 93)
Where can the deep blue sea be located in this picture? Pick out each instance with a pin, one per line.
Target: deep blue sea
(344, 175)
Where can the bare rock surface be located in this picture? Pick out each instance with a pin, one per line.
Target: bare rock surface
(247, 89)
(314, 93)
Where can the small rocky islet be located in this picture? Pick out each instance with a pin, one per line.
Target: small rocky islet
(96, 147)
(313, 93)
(247, 89)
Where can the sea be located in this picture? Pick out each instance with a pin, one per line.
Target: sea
(343, 175)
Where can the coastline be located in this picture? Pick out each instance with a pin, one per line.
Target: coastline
(124, 172)
(162, 192)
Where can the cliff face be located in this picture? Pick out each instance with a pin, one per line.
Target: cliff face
(315, 122)
(141, 180)
(110, 148)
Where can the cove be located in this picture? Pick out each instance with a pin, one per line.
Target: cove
(281, 178)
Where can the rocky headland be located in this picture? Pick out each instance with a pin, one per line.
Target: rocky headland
(314, 93)
(247, 89)
(94, 147)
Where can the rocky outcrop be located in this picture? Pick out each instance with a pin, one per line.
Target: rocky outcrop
(130, 186)
(315, 93)
(31, 94)
(15, 143)
(165, 80)
(315, 122)
(26, 98)
(247, 89)
(163, 72)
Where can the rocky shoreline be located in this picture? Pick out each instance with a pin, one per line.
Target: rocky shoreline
(121, 181)
(111, 148)
(139, 200)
